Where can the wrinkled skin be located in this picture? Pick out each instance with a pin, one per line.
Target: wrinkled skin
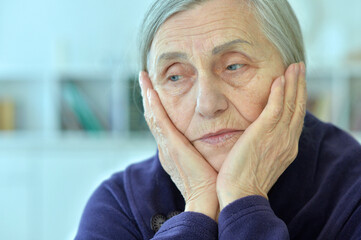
(225, 75)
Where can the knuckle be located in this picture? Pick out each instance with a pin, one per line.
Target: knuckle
(291, 156)
(302, 109)
(294, 152)
(276, 112)
(291, 149)
(147, 116)
(291, 107)
(304, 83)
(150, 118)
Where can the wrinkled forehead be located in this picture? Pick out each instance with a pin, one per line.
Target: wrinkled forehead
(200, 29)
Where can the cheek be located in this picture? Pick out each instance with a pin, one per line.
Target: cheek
(179, 109)
(252, 99)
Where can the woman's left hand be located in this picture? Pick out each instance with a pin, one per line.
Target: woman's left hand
(270, 144)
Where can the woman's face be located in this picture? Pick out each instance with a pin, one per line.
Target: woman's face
(213, 69)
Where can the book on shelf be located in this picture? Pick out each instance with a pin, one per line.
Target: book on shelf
(356, 121)
(7, 115)
(69, 121)
(77, 112)
(355, 103)
(137, 122)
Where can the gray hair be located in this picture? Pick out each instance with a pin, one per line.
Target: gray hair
(276, 17)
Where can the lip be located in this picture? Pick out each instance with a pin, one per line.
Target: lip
(220, 136)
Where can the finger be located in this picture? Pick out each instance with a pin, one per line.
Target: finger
(301, 100)
(156, 116)
(169, 137)
(291, 76)
(145, 83)
(272, 113)
(159, 116)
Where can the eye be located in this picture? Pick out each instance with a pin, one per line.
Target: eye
(175, 78)
(234, 67)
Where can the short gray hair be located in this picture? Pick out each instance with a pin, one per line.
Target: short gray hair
(276, 17)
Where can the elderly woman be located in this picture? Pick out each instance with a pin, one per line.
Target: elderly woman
(224, 93)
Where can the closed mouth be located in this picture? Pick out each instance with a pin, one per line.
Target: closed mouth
(220, 136)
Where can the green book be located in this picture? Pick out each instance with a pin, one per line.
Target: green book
(85, 115)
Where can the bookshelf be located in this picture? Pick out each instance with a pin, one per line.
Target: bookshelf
(42, 102)
(54, 167)
(335, 96)
(83, 102)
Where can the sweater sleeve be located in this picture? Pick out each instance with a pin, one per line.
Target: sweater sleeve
(251, 218)
(108, 216)
(188, 225)
(104, 218)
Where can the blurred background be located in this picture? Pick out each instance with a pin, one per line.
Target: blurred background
(70, 115)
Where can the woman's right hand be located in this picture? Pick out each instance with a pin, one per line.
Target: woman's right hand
(191, 173)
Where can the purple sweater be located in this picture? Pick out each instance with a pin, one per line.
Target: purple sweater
(317, 197)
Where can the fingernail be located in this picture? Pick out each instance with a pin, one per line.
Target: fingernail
(140, 79)
(303, 67)
(297, 68)
(149, 95)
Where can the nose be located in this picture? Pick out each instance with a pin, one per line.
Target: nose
(211, 101)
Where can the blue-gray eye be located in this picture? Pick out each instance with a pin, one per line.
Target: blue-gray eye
(234, 67)
(175, 78)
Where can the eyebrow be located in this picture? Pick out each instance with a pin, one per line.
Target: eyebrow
(215, 51)
(227, 45)
(172, 55)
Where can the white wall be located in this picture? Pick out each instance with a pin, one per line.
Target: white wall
(331, 30)
(44, 33)
(44, 186)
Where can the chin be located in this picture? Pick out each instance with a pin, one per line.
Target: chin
(216, 159)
